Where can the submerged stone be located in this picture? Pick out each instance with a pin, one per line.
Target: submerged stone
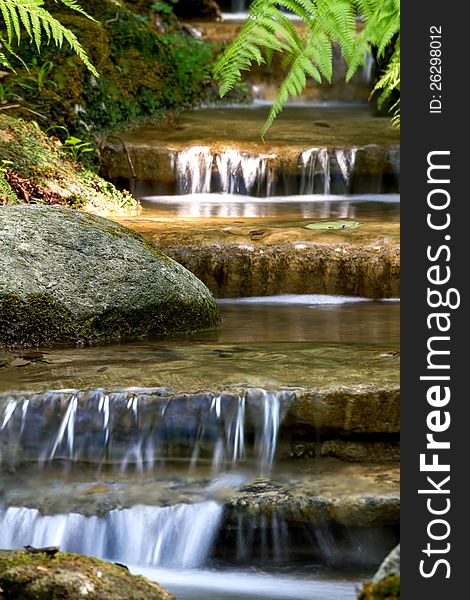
(68, 276)
(37, 576)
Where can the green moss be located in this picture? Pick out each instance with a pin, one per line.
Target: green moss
(386, 589)
(143, 71)
(37, 576)
(36, 321)
(33, 160)
(7, 195)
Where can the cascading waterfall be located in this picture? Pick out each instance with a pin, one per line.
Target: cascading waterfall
(199, 170)
(241, 173)
(143, 428)
(137, 428)
(315, 166)
(179, 536)
(346, 157)
(193, 168)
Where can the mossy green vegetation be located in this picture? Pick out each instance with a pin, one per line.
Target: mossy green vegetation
(36, 321)
(147, 63)
(35, 169)
(36, 576)
(386, 589)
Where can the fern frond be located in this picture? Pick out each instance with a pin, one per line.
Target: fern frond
(267, 30)
(76, 7)
(390, 80)
(31, 16)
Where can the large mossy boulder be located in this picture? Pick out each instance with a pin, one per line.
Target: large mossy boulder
(37, 576)
(68, 276)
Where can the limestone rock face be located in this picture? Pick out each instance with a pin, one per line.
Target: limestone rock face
(68, 276)
(28, 576)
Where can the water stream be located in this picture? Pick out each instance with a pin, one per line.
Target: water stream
(142, 476)
(200, 461)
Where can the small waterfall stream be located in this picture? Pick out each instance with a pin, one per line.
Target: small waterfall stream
(141, 429)
(202, 170)
(176, 536)
(136, 429)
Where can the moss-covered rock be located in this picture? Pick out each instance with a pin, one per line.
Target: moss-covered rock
(387, 589)
(133, 49)
(38, 170)
(68, 276)
(385, 585)
(37, 576)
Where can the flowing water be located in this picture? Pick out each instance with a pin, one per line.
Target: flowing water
(311, 150)
(201, 461)
(141, 476)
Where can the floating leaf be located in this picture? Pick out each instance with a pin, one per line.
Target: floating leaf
(334, 225)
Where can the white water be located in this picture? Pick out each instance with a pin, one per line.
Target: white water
(221, 198)
(346, 157)
(314, 163)
(247, 585)
(193, 168)
(289, 299)
(180, 535)
(241, 173)
(141, 428)
(202, 170)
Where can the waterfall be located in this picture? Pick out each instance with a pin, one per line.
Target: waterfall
(368, 69)
(141, 428)
(193, 170)
(315, 171)
(241, 173)
(346, 157)
(178, 536)
(198, 170)
(202, 170)
(264, 536)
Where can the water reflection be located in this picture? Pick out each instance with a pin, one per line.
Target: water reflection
(250, 585)
(384, 207)
(252, 321)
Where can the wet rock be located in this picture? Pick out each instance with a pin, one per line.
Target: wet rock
(386, 582)
(175, 166)
(360, 451)
(68, 276)
(11, 456)
(36, 576)
(348, 510)
(234, 269)
(362, 409)
(390, 566)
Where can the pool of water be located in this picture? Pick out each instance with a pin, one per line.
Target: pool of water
(373, 207)
(304, 126)
(309, 319)
(251, 585)
(290, 340)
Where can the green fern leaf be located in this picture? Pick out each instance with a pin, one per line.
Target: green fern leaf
(31, 16)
